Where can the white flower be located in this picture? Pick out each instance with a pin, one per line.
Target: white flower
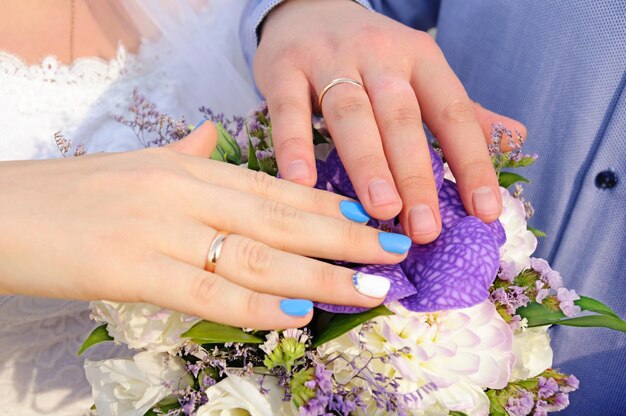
(132, 386)
(141, 325)
(447, 357)
(532, 351)
(520, 243)
(239, 396)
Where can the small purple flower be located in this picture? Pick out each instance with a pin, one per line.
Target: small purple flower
(454, 271)
(508, 271)
(571, 384)
(541, 408)
(551, 277)
(542, 292)
(566, 298)
(560, 402)
(548, 387)
(521, 405)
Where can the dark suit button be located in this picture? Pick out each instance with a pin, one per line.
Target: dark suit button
(606, 179)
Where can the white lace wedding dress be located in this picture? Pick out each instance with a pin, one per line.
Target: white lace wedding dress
(40, 372)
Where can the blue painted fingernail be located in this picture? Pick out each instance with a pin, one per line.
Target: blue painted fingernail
(353, 211)
(200, 123)
(296, 307)
(394, 243)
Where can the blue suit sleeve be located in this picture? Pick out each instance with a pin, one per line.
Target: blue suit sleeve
(252, 18)
(419, 14)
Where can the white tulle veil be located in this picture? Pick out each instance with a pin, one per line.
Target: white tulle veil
(203, 37)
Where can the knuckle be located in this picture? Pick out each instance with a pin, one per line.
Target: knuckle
(458, 112)
(282, 146)
(475, 167)
(370, 162)
(204, 288)
(345, 105)
(285, 103)
(353, 238)
(263, 184)
(326, 276)
(416, 181)
(389, 86)
(425, 42)
(404, 117)
(280, 216)
(257, 256)
(252, 304)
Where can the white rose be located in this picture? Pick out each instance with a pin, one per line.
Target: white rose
(132, 386)
(532, 352)
(143, 326)
(520, 243)
(239, 396)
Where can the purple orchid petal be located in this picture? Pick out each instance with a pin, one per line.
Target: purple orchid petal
(450, 204)
(454, 271)
(322, 177)
(451, 208)
(337, 175)
(498, 232)
(400, 287)
(437, 164)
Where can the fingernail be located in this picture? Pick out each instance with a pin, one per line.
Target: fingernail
(394, 243)
(201, 122)
(422, 220)
(296, 307)
(371, 285)
(298, 169)
(485, 201)
(353, 211)
(381, 193)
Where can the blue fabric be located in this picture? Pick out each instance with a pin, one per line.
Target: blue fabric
(559, 67)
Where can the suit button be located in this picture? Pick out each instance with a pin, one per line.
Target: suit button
(606, 179)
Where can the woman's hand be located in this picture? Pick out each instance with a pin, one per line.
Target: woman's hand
(305, 44)
(136, 227)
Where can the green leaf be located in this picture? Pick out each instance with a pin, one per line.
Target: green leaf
(595, 321)
(218, 154)
(495, 406)
(456, 413)
(97, 336)
(164, 406)
(205, 332)
(538, 233)
(228, 145)
(539, 315)
(507, 179)
(589, 304)
(341, 323)
(253, 162)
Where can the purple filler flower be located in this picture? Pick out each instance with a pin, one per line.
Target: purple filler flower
(454, 271)
(566, 298)
(522, 405)
(548, 387)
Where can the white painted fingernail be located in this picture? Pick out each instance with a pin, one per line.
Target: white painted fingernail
(371, 285)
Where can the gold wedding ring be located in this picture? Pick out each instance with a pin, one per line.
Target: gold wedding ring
(214, 251)
(335, 82)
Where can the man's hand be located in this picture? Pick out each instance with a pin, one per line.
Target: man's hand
(378, 132)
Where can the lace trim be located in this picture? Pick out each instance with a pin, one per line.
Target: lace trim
(83, 71)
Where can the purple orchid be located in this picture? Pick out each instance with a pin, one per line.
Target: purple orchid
(454, 271)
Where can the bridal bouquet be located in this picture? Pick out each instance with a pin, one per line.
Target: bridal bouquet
(463, 331)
